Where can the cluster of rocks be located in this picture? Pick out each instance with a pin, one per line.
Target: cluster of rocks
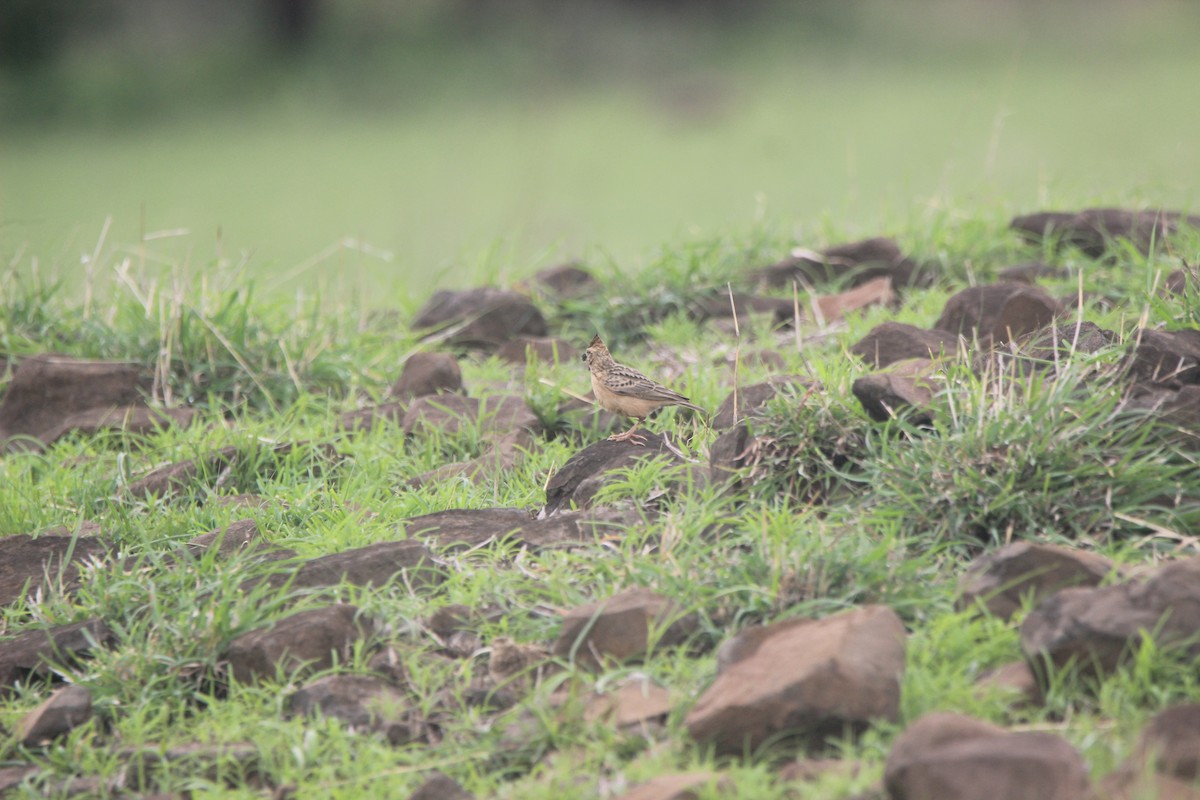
(798, 684)
(50, 396)
(1012, 328)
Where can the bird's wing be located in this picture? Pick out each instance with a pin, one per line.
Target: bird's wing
(628, 382)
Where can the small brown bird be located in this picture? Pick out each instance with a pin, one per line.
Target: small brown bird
(625, 391)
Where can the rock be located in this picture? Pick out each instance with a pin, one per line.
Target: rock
(944, 756)
(998, 312)
(63, 711)
(547, 350)
(1170, 742)
(496, 415)
(1165, 763)
(730, 453)
(379, 564)
(1003, 579)
(1029, 272)
(29, 565)
(906, 387)
(1015, 679)
(1166, 358)
(1178, 406)
(235, 537)
(12, 777)
(365, 419)
(1097, 627)
(440, 787)
(425, 374)
(619, 628)
(171, 479)
(634, 704)
(578, 480)
(362, 703)
(309, 641)
(675, 786)
(1094, 230)
(34, 655)
(854, 263)
(835, 307)
(807, 679)
(567, 280)
(1062, 342)
(451, 619)
(52, 395)
(456, 627)
(753, 398)
(1042, 351)
(894, 341)
(517, 667)
(471, 528)
(483, 318)
(1177, 282)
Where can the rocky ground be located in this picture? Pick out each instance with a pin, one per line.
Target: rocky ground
(949, 557)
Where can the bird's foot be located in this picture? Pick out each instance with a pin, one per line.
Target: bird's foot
(629, 436)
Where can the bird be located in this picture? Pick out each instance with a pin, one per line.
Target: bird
(625, 391)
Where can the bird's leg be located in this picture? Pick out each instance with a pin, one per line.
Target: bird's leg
(630, 436)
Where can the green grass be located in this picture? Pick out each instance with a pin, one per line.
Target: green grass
(371, 178)
(898, 514)
(264, 256)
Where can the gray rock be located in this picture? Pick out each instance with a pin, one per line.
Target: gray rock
(427, 373)
(577, 481)
(440, 787)
(807, 679)
(52, 395)
(374, 565)
(34, 655)
(905, 388)
(29, 564)
(1002, 579)
(63, 711)
(1098, 627)
(890, 342)
(753, 398)
(484, 317)
(618, 629)
(944, 756)
(309, 641)
(853, 263)
(998, 312)
(363, 703)
(1094, 230)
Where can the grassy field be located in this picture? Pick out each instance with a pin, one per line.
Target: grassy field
(266, 254)
(376, 179)
(904, 517)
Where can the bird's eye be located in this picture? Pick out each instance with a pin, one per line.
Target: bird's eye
(583, 357)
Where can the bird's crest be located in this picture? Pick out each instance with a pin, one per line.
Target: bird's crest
(596, 342)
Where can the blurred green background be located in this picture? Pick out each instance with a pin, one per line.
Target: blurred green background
(371, 149)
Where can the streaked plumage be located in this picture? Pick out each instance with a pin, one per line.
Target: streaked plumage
(625, 391)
